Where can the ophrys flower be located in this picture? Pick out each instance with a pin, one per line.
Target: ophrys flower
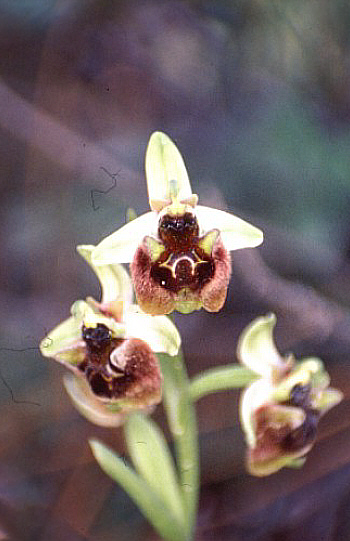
(109, 347)
(178, 251)
(280, 411)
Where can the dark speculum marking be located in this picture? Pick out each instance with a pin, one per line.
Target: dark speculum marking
(183, 264)
(304, 435)
(105, 379)
(96, 338)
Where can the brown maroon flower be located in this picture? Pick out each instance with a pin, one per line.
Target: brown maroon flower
(280, 411)
(109, 348)
(179, 251)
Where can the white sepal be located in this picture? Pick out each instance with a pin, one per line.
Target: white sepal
(235, 232)
(166, 173)
(120, 246)
(114, 279)
(158, 331)
(256, 348)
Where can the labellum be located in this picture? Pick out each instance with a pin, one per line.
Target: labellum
(120, 368)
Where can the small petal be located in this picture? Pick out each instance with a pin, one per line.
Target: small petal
(120, 247)
(208, 241)
(88, 405)
(155, 248)
(303, 374)
(158, 331)
(327, 400)
(61, 337)
(235, 232)
(256, 348)
(166, 173)
(114, 279)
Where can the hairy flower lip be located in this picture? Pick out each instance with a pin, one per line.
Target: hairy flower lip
(280, 411)
(187, 292)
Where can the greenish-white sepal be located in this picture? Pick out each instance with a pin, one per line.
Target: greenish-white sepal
(221, 378)
(254, 396)
(166, 174)
(88, 405)
(327, 399)
(120, 246)
(140, 492)
(88, 316)
(256, 348)
(73, 355)
(152, 459)
(235, 232)
(65, 335)
(158, 331)
(114, 279)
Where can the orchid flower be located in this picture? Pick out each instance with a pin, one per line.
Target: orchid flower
(109, 348)
(179, 250)
(280, 411)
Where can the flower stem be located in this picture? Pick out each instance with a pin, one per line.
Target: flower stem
(182, 422)
(220, 378)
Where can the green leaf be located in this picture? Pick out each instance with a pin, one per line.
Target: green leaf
(152, 459)
(220, 379)
(140, 492)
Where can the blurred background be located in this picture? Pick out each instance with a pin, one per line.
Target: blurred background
(256, 95)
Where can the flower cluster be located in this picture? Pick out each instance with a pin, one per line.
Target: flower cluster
(179, 255)
(280, 411)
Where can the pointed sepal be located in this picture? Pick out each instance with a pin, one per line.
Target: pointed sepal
(167, 178)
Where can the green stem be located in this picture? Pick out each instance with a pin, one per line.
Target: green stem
(182, 422)
(220, 379)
